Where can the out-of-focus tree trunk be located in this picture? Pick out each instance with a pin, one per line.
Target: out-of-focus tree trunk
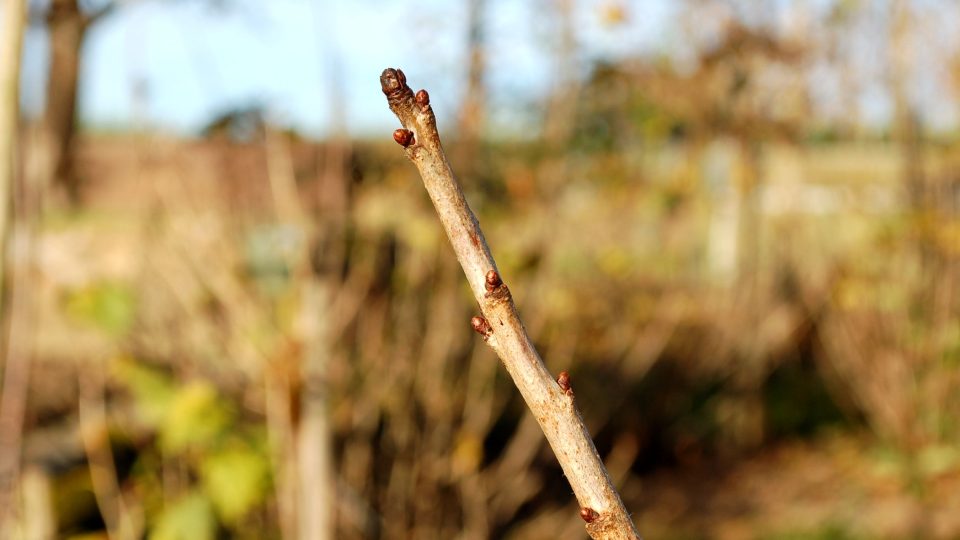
(748, 222)
(319, 280)
(11, 41)
(473, 110)
(13, 402)
(906, 124)
(304, 466)
(908, 133)
(561, 109)
(745, 411)
(67, 27)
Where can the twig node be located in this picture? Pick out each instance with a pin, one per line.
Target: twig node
(588, 514)
(481, 326)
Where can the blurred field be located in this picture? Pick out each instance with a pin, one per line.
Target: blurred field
(250, 333)
(719, 412)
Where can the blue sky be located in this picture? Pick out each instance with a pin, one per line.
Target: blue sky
(190, 61)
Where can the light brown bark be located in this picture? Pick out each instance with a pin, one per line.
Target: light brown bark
(552, 403)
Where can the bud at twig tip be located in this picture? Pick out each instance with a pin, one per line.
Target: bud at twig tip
(391, 80)
(493, 280)
(588, 514)
(394, 85)
(404, 137)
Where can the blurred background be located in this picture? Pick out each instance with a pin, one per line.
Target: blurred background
(229, 310)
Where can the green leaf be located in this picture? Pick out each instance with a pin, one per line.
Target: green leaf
(190, 518)
(152, 390)
(196, 418)
(236, 481)
(110, 306)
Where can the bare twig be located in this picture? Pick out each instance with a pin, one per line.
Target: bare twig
(500, 326)
(120, 522)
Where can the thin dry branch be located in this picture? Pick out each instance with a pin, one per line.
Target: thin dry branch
(551, 403)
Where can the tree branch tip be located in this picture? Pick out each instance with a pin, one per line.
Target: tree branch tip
(392, 80)
(588, 514)
(394, 85)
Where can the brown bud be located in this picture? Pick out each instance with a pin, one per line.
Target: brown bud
(481, 326)
(588, 514)
(564, 381)
(404, 137)
(394, 85)
(422, 98)
(493, 280)
(392, 80)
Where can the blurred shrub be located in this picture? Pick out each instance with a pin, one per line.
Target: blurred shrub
(190, 518)
(107, 305)
(195, 427)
